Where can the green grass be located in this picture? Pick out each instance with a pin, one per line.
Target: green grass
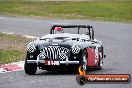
(107, 10)
(12, 48)
(10, 56)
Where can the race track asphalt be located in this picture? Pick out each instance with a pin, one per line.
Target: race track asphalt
(117, 40)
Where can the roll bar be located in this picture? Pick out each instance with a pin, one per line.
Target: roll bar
(90, 29)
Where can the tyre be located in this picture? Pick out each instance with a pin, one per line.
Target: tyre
(30, 68)
(100, 63)
(84, 60)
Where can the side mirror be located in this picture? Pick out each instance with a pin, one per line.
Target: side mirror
(104, 56)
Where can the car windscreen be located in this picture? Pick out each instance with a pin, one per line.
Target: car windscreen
(75, 30)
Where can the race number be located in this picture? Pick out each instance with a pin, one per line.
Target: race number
(51, 62)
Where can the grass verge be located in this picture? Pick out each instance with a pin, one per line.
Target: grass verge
(12, 48)
(107, 10)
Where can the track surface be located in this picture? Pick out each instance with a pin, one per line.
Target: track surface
(117, 39)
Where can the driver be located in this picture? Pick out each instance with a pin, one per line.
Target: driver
(58, 30)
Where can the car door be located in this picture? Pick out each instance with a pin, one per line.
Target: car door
(93, 56)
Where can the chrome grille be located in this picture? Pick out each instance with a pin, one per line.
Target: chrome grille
(55, 52)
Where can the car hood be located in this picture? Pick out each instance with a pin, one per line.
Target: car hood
(68, 41)
(46, 43)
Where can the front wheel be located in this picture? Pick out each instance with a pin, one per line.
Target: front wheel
(30, 68)
(84, 60)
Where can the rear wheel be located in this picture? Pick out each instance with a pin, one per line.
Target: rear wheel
(30, 68)
(100, 63)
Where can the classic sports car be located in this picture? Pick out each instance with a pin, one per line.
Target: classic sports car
(61, 50)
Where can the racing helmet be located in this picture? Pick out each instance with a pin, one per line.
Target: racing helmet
(58, 30)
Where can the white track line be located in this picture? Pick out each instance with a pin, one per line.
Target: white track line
(32, 37)
(27, 36)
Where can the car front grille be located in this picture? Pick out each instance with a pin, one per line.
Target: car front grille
(54, 52)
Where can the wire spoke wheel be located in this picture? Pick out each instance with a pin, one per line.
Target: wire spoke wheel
(84, 60)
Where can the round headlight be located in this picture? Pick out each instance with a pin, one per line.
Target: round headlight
(42, 56)
(75, 49)
(31, 48)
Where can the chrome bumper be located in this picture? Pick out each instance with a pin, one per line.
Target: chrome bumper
(61, 62)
